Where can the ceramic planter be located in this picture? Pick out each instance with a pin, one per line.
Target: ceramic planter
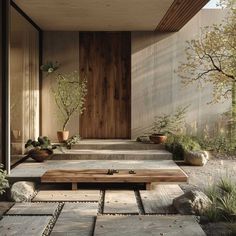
(62, 136)
(158, 138)
(40, 155)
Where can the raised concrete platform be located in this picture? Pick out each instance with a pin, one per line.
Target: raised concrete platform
(94, 154)
(116, 144)
(32, 170)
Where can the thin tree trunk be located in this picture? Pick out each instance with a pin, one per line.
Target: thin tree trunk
(233, 112)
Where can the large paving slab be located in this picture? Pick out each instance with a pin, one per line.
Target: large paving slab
(32, 169)
(159, 201)
(30, 208)
(23, 225)
(67, 196)
(5, 206)
(147, 225)
(120, 202)
(76, 219)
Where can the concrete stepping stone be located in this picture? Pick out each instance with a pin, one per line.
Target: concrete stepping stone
(5, 206)
(147, 225)
(68, 196)
(23, 225)
(159, 201)
(32, 208)
(120, 202)
(76, 219)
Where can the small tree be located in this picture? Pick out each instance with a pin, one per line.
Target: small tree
(69, 94)
(212, 59)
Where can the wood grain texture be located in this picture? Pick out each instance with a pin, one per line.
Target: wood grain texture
(180, 12)
(105, 59)
(100, 175)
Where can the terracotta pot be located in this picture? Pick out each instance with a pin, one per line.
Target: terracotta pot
(40, 155)
(158, 138)
(62, 136)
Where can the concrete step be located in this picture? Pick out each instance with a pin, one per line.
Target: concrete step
(89, 154)
(115, 144)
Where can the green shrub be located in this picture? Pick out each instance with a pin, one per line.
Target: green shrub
(179, 144)
(223, 197)
(3, 181)
(219, 143)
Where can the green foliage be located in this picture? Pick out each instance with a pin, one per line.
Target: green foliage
(223, 196)
(170, 124)
(227, 185)
(40, 143)
(3, 181)
(211, 60)
(49, 67)
(179, 144)
(69, 94)
(72, 140)
(220, 143)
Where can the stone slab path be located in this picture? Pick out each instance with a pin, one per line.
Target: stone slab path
(147, 225)
(112, 213)
(68, 196)
(159, 201)
(120, 202)
(23, 225)
(30, 208)
(76, 219)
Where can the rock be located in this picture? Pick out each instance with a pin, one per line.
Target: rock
(197, 158)
(22, 191)
(192, 202)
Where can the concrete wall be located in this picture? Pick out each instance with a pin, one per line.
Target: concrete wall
(157, 89)
(64, 48)
(155, 86)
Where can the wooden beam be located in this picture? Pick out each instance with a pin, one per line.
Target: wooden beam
(180, 12)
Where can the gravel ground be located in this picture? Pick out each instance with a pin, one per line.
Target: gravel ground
(203, 176)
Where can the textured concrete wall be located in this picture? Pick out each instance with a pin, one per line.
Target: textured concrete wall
(157, 89)
(64, 48)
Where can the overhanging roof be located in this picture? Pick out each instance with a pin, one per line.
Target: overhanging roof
(111, 15)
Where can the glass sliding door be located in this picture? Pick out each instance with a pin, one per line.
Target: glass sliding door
(24, 83)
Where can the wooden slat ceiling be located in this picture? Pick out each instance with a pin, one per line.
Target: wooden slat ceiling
(180, 12)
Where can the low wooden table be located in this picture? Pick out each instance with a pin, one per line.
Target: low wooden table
(123, 176)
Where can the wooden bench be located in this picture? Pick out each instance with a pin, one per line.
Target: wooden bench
(123, 176)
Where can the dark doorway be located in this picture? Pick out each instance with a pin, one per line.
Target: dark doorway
(105, 59)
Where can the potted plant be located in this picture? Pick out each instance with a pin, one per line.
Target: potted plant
(167, 124)
(69, 94)
(49, 67)
(39, 150)
(3, 181)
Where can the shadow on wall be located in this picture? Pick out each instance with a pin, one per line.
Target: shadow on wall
(157, 89)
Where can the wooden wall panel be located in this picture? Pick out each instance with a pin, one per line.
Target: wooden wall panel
(180, 12)
(105, 59)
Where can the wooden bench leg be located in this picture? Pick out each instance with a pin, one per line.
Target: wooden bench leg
(74, 186)
(148, 186)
